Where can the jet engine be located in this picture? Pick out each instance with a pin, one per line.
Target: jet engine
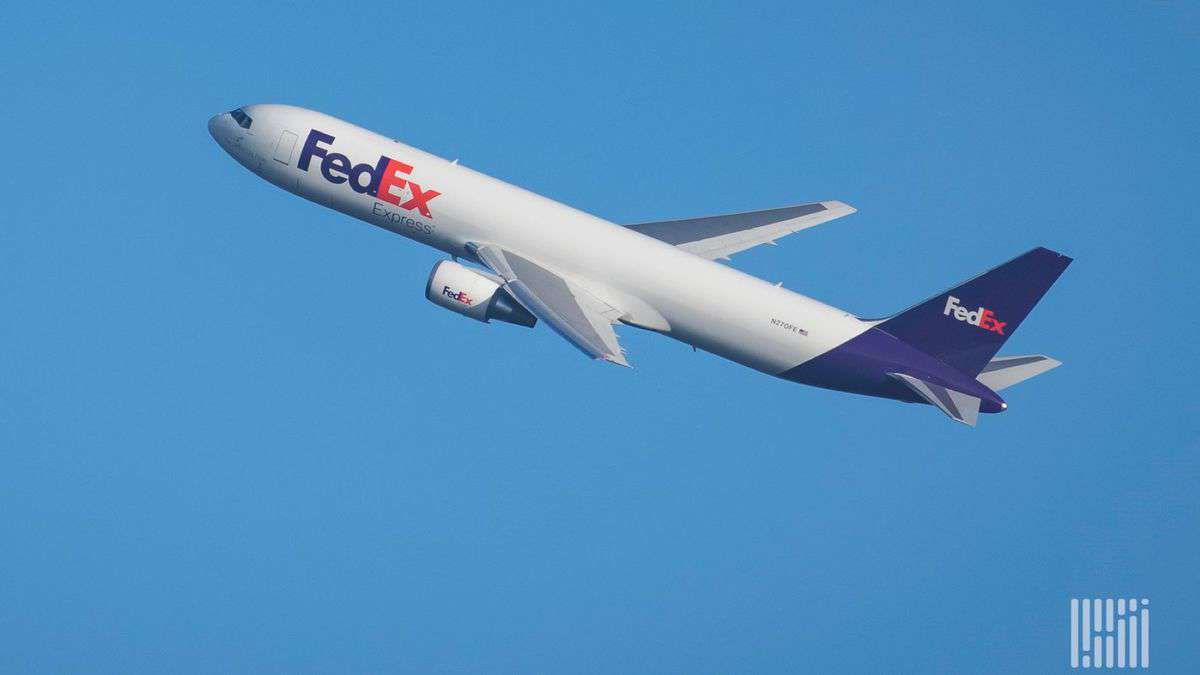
(473, 294)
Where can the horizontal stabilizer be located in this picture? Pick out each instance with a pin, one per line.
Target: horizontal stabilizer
(1005, 371)
(958, 406)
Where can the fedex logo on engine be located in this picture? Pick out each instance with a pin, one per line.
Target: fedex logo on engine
(984, 318)
(456, 295)
(385, 180)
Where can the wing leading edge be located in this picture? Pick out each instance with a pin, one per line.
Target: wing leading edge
(717, 237)
(571, 311)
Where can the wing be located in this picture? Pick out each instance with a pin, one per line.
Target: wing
(715, 237)
(571, 311)
(958, 406)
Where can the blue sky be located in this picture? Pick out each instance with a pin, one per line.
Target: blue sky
(235, 437)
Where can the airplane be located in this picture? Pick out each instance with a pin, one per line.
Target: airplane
(530, 259)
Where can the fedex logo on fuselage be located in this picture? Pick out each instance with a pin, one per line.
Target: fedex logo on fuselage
(379, 180)
(984, 318)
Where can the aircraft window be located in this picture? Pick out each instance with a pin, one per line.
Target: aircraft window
(242, 118)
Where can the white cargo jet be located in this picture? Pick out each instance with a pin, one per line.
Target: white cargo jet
(537, 259)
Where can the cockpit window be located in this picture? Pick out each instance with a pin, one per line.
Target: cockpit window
(241, 118)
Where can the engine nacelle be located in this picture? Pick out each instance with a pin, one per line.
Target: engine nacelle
(462, 290)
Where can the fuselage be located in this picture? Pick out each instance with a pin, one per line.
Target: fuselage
(691, 299)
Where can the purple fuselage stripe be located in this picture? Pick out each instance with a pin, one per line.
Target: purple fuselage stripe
(861, 366)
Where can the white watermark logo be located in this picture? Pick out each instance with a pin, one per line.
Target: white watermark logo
(1110, 633)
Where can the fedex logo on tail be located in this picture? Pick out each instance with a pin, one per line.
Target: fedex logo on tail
(384, 180)
(984, 318)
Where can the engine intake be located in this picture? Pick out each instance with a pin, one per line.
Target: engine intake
(473, 294)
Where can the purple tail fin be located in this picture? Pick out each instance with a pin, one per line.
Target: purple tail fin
(966, 325)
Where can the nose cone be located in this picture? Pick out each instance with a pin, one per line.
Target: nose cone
(220, 127)
(238, 139)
